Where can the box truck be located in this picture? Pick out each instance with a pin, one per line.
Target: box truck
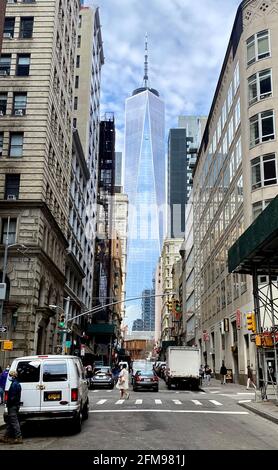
(182, 367)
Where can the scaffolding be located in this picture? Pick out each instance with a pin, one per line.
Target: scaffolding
(256, 253)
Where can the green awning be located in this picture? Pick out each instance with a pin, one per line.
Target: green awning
(101, 329)
(258, 245)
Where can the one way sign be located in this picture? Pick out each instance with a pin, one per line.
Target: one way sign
(3, 329)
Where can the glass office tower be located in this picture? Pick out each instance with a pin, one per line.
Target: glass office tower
(145, 185)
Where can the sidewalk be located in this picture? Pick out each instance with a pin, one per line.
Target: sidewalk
(266, 408)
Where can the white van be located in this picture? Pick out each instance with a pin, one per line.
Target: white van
(53, 387)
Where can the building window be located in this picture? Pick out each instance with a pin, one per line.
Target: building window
(76, 81)
(261, 128)
(260, 86)
(75, 106)
(264, 171)
(5, 64)
(80, 21)
(77, 61)
(12, 184)
(79, 41)
(237, 114)
(230, 97)
(16, 144)
(236, 78)
(26, 27)
(224, 114)
(9, 27)
(12, 231)
(19, 104)
(74, 123)
(258, 207)
(3, 103)
(23, 65)
(258, 47)
(1, 143)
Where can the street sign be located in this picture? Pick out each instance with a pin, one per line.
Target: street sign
(3, 329)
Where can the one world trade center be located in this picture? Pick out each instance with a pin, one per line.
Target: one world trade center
(144, 184)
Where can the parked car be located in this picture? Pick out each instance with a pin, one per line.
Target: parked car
(102, 378)
(139, 366)
(53, 388)
(145, 379)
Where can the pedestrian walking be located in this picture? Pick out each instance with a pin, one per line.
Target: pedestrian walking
(3, 380)
(13, 432)
(223, 373)
(250, 378)
(201, 374)
(208, 372)
(122, 383)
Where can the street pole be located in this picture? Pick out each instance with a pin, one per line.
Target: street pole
(5, 267)
(64, 336)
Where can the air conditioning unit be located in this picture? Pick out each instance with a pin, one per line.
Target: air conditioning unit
(3, 73)
(1, 113)
(18, 112)
(8, 35)
(11, 197)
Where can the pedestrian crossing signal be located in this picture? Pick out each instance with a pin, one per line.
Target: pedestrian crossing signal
(169, 304)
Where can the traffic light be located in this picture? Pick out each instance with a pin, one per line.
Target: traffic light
(251, 321)
(178, 306)
(62, 320)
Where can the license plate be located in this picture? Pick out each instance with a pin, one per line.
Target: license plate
(147, 380)
(52, 396)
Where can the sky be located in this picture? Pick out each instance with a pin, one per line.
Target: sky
(187, 44)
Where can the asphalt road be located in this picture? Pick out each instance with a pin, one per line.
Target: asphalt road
(159, 421)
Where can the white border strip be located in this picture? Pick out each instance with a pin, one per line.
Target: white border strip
(172, 411)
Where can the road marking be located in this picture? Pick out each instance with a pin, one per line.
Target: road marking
(177, 402)
(109, 391)
(216, 403)
(95, 391)
(203, 393)
(217, 391)
(158, 402)
(119, 402)
(101, 402)
(196, 402)
(136, 410)
(244, 401)
(138, 402)
(245, 393)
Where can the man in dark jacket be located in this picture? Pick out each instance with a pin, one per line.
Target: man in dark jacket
(13, 431)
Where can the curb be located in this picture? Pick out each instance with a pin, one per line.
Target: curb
(263, 414)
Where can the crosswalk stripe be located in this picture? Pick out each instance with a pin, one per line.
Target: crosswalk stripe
(158, 402)
(197, 402)
(138, 402)
(177, 402)
(95, 391)
(203, 393)
(119, 402)
(109, 391)
(217, 391)
(101, 402)
(216, 403)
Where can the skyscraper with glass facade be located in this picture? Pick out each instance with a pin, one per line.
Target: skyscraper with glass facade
(144, 184)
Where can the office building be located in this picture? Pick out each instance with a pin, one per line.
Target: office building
(144, 184)
(235, 178)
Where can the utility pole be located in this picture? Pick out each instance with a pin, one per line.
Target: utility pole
(64, 336)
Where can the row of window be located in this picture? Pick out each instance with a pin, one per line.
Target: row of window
(15, 144)
(19, 103)
(22, 65)
(25, 28)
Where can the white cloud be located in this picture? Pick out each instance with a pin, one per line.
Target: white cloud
(187, 42)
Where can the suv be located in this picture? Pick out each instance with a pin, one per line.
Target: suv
(53, 387)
